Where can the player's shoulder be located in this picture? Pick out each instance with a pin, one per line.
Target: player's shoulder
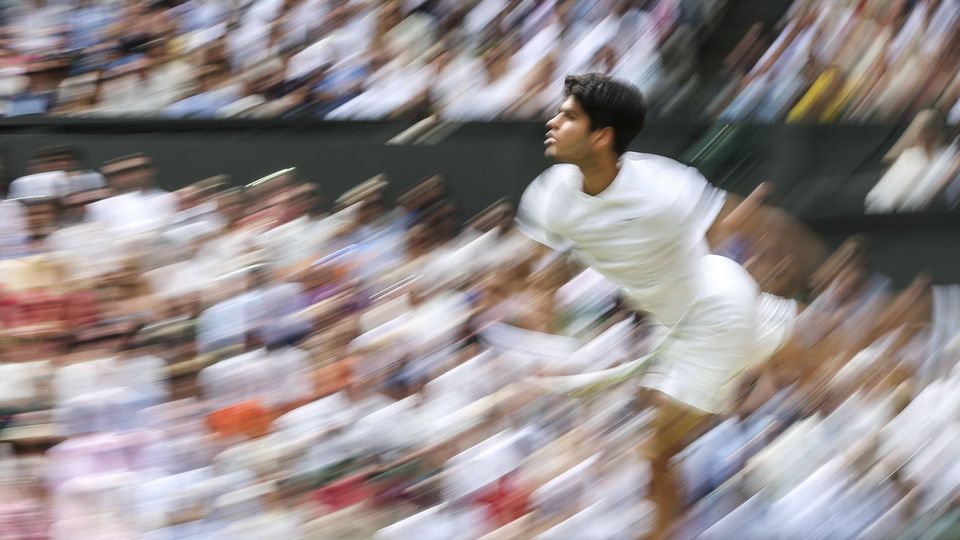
(559, 173)
(662, 174)
(552, 179)
(655, 162)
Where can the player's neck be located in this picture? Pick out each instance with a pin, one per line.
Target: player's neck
(598, 174)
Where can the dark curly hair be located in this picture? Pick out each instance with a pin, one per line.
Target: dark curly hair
(609, 102)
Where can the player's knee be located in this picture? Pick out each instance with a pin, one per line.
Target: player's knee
(676, 426)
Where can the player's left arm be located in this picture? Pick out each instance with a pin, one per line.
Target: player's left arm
(780, 251)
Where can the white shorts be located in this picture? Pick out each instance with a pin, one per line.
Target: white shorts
(730, 327)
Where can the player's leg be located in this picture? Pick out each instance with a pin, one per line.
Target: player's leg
(675, 426)
(713, 345)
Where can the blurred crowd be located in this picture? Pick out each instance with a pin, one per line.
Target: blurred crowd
(219, 362)
(848, 61)
(923, 172)
(338, 59)
(827, 61)
(225, 362)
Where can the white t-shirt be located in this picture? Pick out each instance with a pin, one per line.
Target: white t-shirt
(135, 212)
(86, 249)
(486, 100)
(13, 229)
(896, 185)
(645, 232)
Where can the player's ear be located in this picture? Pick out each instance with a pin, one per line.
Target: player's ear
(605, 136)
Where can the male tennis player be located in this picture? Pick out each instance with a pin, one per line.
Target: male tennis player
(641, 220)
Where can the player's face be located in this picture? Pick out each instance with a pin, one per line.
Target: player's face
(569, 138)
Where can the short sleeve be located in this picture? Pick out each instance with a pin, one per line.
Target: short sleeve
(690, 202)
(709, 200)
(533, 214)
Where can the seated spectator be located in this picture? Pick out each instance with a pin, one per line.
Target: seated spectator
(901, 187)
(136, 206)
(215, 92)
(13, 230)
(46, 179)
(143, 59)
(56, 172)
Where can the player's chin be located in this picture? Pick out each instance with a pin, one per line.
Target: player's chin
(551, 152)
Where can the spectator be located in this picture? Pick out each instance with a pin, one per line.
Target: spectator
(360, 365)
(137, 205)
(338, 58)
(836, 62)
(215, 92)
(916, 176)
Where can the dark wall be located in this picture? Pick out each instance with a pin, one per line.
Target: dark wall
(820, 173)
(483, 161)
(479, 166)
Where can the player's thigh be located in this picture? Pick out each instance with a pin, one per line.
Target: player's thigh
(675, 425)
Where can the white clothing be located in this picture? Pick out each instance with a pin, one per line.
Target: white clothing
(135, 212)
(482, 15)
(179, 279)
(74, 380)
(895, 187)
(85, 250)
(386, 91)
(13, 81)
(933, 181)
(127, 94)
(170, 83)
(534, 51)
(716, 342)
(908, 33)
(228, 322)
(486, 101)
(587, 45)
(646, 232)
(296, 241)
(13, 229)
(20, 381)
(47, 184)
(54, 184)
(102, 379)
(334, 48)
(235, 379)
(242, 107)
(455, 80)
(84, 180)
(411, 40)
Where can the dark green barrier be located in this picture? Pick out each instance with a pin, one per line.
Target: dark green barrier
(820, 173)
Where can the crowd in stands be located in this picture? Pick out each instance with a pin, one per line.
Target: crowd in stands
(827, 61)
(849, 61)
(924, 169)
(224, 362)
(337, 59)
(218, 362)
